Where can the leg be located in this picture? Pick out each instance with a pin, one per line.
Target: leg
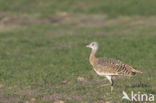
(103, 85)
(111, 81)
(112, 85)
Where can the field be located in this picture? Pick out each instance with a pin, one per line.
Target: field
(43, 54)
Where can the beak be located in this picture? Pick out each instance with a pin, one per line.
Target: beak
(87, 46)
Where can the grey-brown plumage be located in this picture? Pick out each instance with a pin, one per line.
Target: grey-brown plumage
(112, 66)
(109, 67)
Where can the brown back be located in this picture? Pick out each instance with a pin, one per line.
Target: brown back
(109, 65)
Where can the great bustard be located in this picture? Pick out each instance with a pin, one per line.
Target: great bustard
(109, 67)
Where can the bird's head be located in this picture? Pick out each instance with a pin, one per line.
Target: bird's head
(93, 46)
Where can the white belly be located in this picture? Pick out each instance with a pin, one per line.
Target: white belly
(105, 74)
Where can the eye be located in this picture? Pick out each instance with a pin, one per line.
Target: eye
(92, 44)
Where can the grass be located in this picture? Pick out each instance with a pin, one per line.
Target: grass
(43, 55)
(110, 7)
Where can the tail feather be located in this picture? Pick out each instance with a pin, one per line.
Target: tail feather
(133, 70)
(137, 71)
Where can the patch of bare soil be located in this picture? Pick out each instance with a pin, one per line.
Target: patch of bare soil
(133, 23)
(77, 19)
(8, 19)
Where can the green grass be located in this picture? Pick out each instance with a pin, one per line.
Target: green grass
(110, 7)
(42, 58)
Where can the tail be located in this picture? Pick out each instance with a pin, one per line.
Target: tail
(137, 71)
(133, 69)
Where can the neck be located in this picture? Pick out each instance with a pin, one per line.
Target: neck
(92, 56)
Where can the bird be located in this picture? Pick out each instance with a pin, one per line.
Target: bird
(109, 67)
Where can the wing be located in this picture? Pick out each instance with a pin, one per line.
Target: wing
(112, 66)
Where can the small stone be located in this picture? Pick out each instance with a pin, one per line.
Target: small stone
(1, 85)
(59, 101)
(80, 79)
(33, 99)
(27, 102)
